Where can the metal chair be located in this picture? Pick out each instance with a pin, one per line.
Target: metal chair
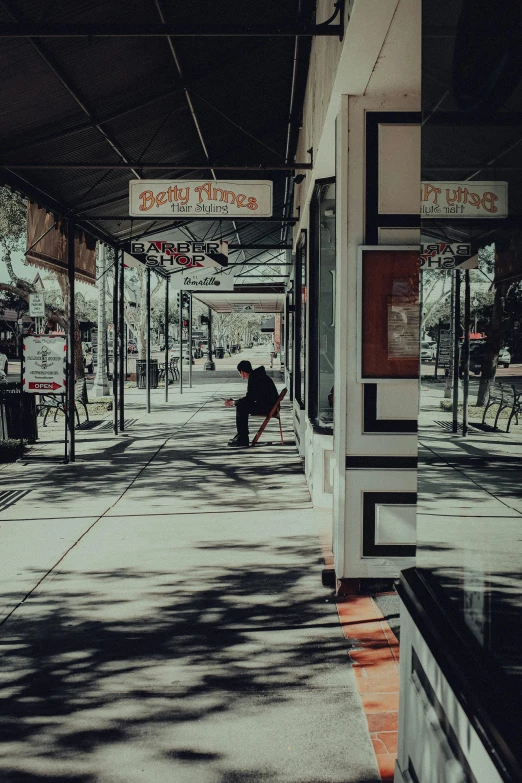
(275, 413)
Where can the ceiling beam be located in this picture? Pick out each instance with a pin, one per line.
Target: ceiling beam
(37, 165)
(155, 218)
(159, 30)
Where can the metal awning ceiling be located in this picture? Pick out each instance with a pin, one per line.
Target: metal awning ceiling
(226, 303)
(94, 94)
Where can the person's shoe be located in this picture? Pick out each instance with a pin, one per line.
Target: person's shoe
(236, 443)
(233, 441)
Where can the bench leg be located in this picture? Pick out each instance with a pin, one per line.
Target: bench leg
(513, 413)
(500, 409)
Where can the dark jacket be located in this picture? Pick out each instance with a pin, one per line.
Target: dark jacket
(261, 391)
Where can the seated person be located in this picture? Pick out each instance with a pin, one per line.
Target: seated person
(260, 398)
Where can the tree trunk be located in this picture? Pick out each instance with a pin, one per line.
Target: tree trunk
(79, 369)
(495, 341)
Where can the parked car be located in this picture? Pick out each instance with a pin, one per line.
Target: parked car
(132, 347)
(3, 363)
(476, 356)
(428, 351)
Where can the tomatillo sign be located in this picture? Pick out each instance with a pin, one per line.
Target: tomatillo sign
(199, 198)
(211, 280)
(171, 255)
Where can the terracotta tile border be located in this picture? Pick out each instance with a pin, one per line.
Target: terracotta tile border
(375, 660)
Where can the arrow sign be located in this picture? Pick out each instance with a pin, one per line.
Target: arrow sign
(42, 386)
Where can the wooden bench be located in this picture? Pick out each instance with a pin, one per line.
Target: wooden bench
(506, 397)
(50, 402)
(275, 413)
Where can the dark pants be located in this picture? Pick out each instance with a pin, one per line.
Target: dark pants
(243, 410)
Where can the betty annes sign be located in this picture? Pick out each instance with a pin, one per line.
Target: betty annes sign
(172, 255)
(464, 199)
(197, 198)
(44, 364)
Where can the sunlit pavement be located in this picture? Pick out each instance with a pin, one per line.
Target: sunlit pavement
(163, 615)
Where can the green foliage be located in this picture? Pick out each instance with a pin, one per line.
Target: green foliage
(10, 450)
(13, 220)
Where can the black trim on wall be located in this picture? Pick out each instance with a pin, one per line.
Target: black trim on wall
(370, 501)
(482, 689)
(382, 463)
(373, 219)
(372, 424)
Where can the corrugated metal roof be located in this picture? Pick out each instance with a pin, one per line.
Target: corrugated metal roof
(102, 100)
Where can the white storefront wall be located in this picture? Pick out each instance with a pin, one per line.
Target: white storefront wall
(375, 69)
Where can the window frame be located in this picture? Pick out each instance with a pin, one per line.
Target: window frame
(313, 300)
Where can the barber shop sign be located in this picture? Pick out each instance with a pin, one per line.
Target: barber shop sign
(172, 255)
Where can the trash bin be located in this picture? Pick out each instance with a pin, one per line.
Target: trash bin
(220, 353)
(17, 420)
(141, 373)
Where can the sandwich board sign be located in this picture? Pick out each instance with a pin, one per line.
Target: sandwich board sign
(44, 364)
(172, 255)
(197, 198)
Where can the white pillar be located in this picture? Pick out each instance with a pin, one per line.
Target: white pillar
(101, 383)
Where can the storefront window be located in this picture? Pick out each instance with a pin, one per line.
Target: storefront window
(300, 322)
(322, 305)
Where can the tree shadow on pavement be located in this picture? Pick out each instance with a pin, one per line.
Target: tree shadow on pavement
(206, 674)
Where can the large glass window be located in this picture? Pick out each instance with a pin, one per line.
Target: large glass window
(322, 305)
(300, 322)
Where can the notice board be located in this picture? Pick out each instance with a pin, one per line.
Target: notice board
(389, 312)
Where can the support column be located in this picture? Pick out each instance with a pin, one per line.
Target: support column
(115, 333)
(180, 322)
(456, 336)
(147, 350)
(101, 383)
(166, 354)
(70, 342)
(467, 329)
(209, 364)
(122, 346)
(190, 340)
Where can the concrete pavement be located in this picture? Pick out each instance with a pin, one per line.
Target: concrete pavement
(163, 615)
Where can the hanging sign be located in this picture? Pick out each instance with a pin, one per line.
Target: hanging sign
(464, 199)
(212, 280)
(197, 198)
(37, 305)
(445, 255)
(171, 256)
(243, 308)
(44, 364)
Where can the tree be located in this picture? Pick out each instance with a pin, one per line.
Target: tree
(505, 311)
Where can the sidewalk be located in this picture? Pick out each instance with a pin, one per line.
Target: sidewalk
(163, 615)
